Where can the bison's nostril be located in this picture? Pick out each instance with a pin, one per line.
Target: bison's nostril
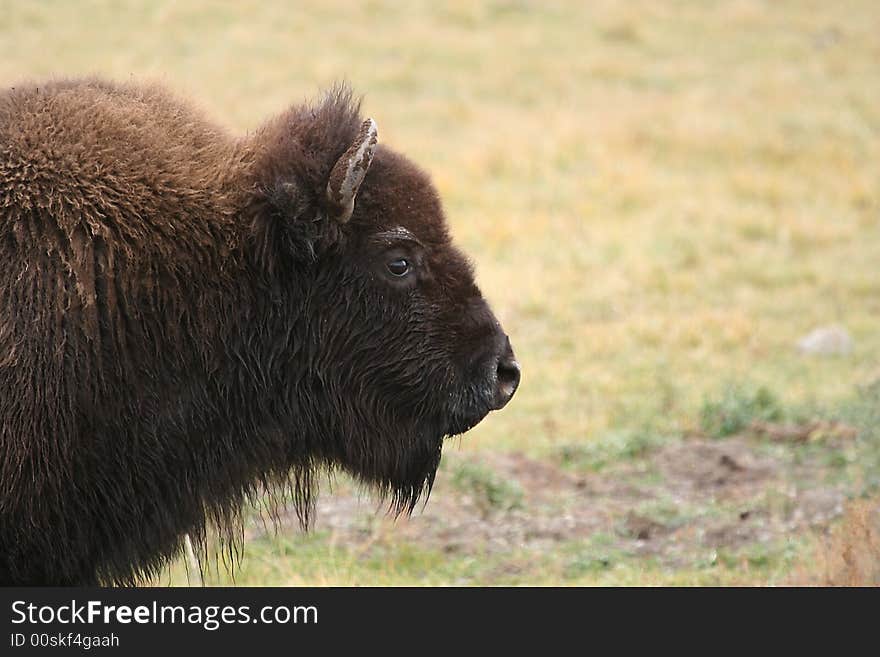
(507, 381)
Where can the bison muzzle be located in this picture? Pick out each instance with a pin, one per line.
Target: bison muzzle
(191, 320)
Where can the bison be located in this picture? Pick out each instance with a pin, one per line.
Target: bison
(189, 319)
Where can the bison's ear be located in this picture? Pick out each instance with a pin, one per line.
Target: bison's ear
(349, 171)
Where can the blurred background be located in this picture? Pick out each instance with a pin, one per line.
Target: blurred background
(674, 207)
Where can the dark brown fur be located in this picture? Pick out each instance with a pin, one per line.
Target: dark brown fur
(184, 326)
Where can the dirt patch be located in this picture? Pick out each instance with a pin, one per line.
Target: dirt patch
(729, 468)
(643, 528)
(677, 502)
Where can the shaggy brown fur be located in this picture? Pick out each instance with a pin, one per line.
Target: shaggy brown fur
(184, 324)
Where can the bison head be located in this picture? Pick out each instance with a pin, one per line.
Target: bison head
(396, 348)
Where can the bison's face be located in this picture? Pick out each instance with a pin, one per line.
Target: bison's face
(438, 352)
(406, 349)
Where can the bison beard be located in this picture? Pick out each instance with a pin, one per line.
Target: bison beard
(190, 322)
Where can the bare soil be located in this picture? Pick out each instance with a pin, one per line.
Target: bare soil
(679, 502)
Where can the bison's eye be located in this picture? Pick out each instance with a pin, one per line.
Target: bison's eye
(399, 267)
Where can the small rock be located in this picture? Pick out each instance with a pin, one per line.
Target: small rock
(826, 341)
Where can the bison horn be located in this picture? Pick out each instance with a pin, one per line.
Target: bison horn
(349, 171)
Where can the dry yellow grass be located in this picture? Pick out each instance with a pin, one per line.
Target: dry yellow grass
(659, 196)
(850, 554)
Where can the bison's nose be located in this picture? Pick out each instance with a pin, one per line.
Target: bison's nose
(506, 377)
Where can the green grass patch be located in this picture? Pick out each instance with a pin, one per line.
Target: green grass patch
(486, 488)
(737, 407)
(611, 448)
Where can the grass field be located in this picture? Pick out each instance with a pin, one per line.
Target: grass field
(660, 198)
